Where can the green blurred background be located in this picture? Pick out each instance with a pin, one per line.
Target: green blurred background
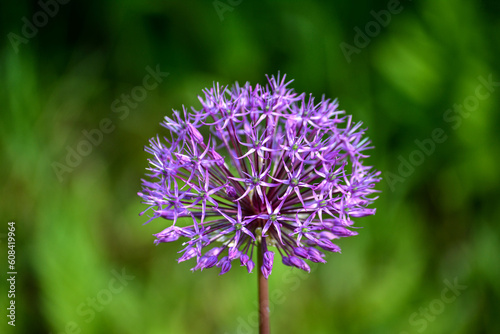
(77, 230)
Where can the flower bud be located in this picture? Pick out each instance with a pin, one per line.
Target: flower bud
(221, 262)
(315, 255)
(328, 235)
(166, 238)
(343, 232)
(286, 261)
(244, 259)
(214, 251)
(299, 263)
(197, 136)
(226, 266)
(357, 213)
(167, 235)
(265, 271)
(299, 251)
(205, 262)
(188, 254)
(234, 253)
(250, 266)
(231, 192)
(268, 260)
(219, 160)
(328, 245)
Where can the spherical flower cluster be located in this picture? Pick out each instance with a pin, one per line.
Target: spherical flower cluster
(275, 170)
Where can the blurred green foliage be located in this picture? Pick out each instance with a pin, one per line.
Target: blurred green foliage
(440, 222)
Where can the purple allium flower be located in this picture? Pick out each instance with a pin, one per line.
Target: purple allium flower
(276, 168)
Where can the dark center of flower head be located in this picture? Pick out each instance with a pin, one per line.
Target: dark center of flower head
(256, 143)
(295, 147)
(238, 226)
(273, 217)
(294, 181)
(255, 180)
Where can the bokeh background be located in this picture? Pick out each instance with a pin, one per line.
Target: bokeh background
(78, 229)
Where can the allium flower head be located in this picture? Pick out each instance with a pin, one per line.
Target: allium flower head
(271, 167)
